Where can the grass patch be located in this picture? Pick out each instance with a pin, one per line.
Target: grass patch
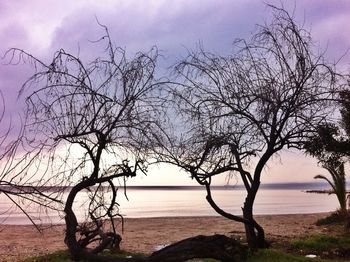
(59, 256)
(334, 218)
(271, 255)
(266, 255)
(64, 256)
(322, 242)
(326, 246)
(122, 254)
(203, 260)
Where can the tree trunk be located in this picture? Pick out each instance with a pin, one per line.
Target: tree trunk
(254, 232)
(79, 253)
(75, 250)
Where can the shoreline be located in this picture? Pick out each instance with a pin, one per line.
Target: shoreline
(46, 224)
(147, 234)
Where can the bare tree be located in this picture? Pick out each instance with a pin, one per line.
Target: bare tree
(25, 192)
(88, 125)
(240, 110)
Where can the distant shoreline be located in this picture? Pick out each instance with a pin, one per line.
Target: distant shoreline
(329, 192)
(304, 185)
(309, 186)
(125, 217)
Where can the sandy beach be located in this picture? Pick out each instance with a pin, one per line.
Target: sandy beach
(146, 234)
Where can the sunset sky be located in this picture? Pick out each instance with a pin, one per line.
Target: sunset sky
(41, 27)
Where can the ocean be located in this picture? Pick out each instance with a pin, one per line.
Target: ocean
(160, 201)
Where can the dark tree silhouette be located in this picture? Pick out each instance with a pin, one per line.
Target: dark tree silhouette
(345, 115)
(332, 140)
(240, 110)
(90, 123)
(335, 167)
(331, 146)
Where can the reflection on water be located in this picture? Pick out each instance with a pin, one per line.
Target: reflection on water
(160, 202)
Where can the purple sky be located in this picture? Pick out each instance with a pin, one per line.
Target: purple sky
(41, 27)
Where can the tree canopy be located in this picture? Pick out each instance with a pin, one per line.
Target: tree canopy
(240, 110)
(90, 123)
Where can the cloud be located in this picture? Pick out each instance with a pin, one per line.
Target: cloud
(327, 21)
(171, 25)
(41, 27)
(140, 24)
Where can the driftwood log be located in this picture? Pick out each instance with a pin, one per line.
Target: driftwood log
(218, 247)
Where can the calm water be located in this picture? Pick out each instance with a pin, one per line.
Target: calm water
(159, 202)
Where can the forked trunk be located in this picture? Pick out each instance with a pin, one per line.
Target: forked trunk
(75, 250)
(254, 232)
(79, 253)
